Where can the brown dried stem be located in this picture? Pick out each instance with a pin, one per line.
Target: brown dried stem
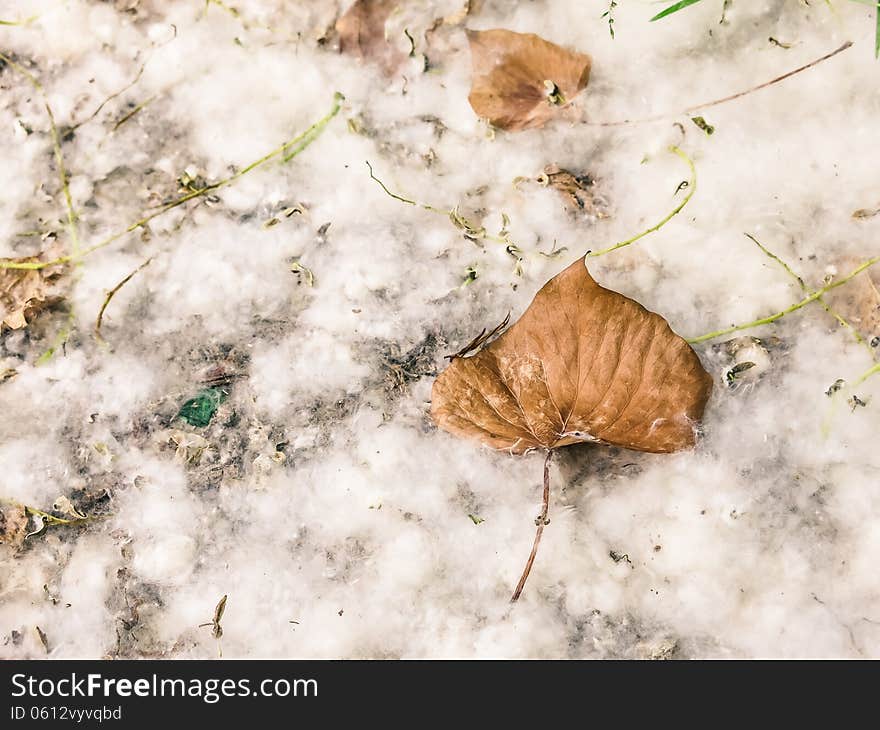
(725, 99)
(110, 294)
(541, 521)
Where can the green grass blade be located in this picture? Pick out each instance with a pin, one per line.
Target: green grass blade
(673, 8)
(877, 34)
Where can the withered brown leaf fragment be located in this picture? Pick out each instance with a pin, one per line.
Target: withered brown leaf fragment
(859, 302)
(576, 190)
(582, 364)
(863, 213)
(361, 32)
(26, 292)
(13, 525)
(519, 80)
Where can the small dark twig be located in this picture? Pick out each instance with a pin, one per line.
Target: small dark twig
(689, 110)
(134, 111)
(111, 294)
(109, 99)
(480, 340)
(771, 82)
(217, 630)
(541, 522)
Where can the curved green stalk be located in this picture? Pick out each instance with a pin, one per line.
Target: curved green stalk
(788, 310)
(867, 374)
(59, 157)
(841, 320)
(298, 143)
(458, 220)
(692, 188)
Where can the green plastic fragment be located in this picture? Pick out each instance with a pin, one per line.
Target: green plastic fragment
(200, 410)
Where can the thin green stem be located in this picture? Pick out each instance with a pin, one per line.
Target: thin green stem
(692, 188)
(858, 338)
(877, 32)
(59, 157)
(408, 201)
(26, 21)
(303, 140)
(111, 98)
(110, 294)
(793, 308)
(452, 213)
(136, 110)
(865, 375)
(60, 339)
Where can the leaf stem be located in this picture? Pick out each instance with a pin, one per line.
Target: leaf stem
(692, 188)
(689, 110)
(793, 308)
(541, 522)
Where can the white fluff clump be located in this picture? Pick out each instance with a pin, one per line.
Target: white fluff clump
(323, 502)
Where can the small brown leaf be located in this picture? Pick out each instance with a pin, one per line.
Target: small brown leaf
(582, 364)
(13, 525)
(576, 190)
(520, 80)
(859, 302)
(863, 213)
(44, 640)
(361, 32)
(26, 292)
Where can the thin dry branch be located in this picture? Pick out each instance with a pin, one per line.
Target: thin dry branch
(541, 521)
(697, 107)
(112, 293)
(110, 98)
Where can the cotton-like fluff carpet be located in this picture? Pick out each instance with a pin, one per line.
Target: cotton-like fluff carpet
(248, 415)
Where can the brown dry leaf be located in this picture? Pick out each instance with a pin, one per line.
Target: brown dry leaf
(26, 292)
(858, 302)
(520, 80)
(576, 190)
(13, 525)
(583, 364)
(361, 32)
(862, 213)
